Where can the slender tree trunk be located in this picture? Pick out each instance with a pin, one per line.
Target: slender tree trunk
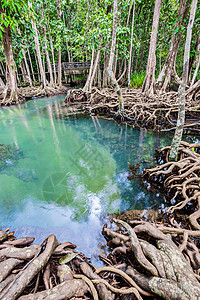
(94, 70)
(110, 65)
(30, 61)
(197, 65)
(192, 59)
(23, 72)
(11, 84)
(168, 71)
(37, 47)
(105, 73)
(17, 75)
(48, 59)
(99, 75)
(3, 68)
(130, 57)
(181, 111)
(2, 85)
(138, 53)
(122, 73)
(115, 66)
(87, 84)
(59, 68)
(27, 67)
(53, 57)
(28, 75)
(37, 64)
(68, 52)
(149, 81)
(59, 13)
(141, 58)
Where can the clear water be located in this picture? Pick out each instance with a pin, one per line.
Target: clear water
(70, 173)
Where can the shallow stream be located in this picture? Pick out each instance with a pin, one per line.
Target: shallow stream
(62, 176)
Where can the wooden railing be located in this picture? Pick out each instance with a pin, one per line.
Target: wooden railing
(68, 66)
(75, 65)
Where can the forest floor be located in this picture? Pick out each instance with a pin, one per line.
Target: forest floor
(154, 254)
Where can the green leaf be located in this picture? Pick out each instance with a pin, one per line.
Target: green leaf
(67, 258)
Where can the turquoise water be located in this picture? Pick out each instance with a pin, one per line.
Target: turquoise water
(68, 173)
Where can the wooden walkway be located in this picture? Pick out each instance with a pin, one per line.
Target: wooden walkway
(69, 68)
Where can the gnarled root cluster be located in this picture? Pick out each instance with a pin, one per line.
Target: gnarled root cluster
(147, 260)
(156, 259)
(158, 113)
(34, 272)
(51, 271)
(179, 180)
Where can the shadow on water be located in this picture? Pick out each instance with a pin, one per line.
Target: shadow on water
(70, 174)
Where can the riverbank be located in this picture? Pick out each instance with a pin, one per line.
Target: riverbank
(28, 93)
(158, 113)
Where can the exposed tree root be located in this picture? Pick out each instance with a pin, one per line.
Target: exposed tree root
(176, 275)
(179, 180)
(158, 113)
(65, 290)
(159, 261)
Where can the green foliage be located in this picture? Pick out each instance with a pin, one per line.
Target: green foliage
(11, 13)
(85, 24)
(137, 79)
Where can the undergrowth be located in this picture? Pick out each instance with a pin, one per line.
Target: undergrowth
(137, 79)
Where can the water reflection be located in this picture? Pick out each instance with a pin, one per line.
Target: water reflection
(73, 171)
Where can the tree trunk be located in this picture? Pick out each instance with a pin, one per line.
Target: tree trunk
(181, 111)
(53, 58)
(121, 74)
(27, 67)
(30, 61)
(23, 72)
(110, 65)
(105, 73)
(28, 75)
(192, 59)
(11, 84)
(130, 58)
(197, 65)
(141, 57)
(59, 13)
(68, 52)
(115, 65)
(2, 85)
(149, 81)
(2, 68)
(59, 68)
(37, 47)
(99, 75)
(48, 59)
(94, 70)
(168, 69)
(87, 84)
(37, 64)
